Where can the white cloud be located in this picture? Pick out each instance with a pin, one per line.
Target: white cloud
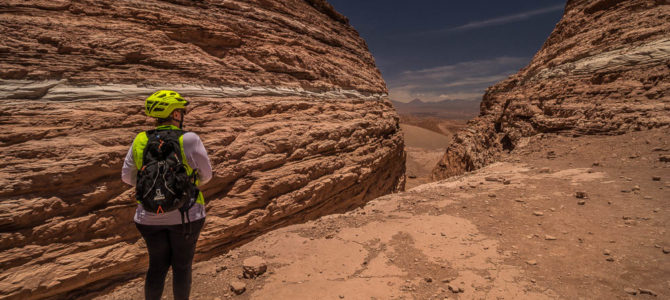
(500, 20)
(461, 81)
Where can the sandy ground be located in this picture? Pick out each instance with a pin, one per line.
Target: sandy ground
(424, 149)
(513, 230)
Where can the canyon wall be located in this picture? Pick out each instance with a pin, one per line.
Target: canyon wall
(605, 69)
(285, 96)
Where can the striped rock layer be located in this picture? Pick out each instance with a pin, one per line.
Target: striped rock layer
(603, 70)
(285, 95)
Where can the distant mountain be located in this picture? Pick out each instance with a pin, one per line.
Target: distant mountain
(446, 109)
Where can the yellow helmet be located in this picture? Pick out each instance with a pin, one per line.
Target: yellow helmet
(161, 104)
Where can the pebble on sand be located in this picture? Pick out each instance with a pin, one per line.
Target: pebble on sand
(238, 287)
(538, 213)
(581, 195)
(549, 238)
(631, 291)
(581, 202)
(532, 262)
(455, 288)
(254, 266)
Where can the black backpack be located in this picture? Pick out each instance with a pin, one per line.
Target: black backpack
(162, 183)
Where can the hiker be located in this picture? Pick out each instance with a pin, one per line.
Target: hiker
(166, 165)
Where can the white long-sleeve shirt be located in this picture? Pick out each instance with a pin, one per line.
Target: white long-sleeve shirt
(197, 158)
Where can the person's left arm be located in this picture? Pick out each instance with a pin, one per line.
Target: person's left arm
(196, 154)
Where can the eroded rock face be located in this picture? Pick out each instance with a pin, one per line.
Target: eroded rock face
(286, 98)
(603, 70)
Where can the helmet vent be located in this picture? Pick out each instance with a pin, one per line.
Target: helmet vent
(162, 95)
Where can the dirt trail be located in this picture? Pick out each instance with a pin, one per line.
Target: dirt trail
(512, 230)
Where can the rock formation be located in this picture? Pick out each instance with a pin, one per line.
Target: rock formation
(603, 70)
(285, 96)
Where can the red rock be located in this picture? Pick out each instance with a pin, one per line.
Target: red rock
(603, 70)
(286, 97)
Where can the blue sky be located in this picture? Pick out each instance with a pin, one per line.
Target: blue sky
(450, 49)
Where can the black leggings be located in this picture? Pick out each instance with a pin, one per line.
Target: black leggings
(167, 247)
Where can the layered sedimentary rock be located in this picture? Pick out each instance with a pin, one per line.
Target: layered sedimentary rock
(285, 96)
(605, 69)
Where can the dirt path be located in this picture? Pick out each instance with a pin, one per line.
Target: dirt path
(513, 230)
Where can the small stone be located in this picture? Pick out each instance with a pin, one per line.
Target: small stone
(656, 178)
(443, 234)
(666, 250)
(636, 188)
(595, 164)
(532, 262)
(221, 268)
(581, 202)
(520, 200)
(455, 289)
(492, 195)
(533, 280)
(581, 195)
(507, 181)
(446, 280)
(664, 158)
(647, 198)
(549, 238)
(657, 210)
(428, 279)
(491, 178)
(254, 266)
(648, 292)
(631, 291)
(538, 213)
(341, 296)
(238, 287)
(607, 252)
(545, 170)
(609, 259)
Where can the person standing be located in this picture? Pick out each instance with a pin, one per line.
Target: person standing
(167, 165)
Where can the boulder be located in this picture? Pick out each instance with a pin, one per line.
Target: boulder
(254, 266)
